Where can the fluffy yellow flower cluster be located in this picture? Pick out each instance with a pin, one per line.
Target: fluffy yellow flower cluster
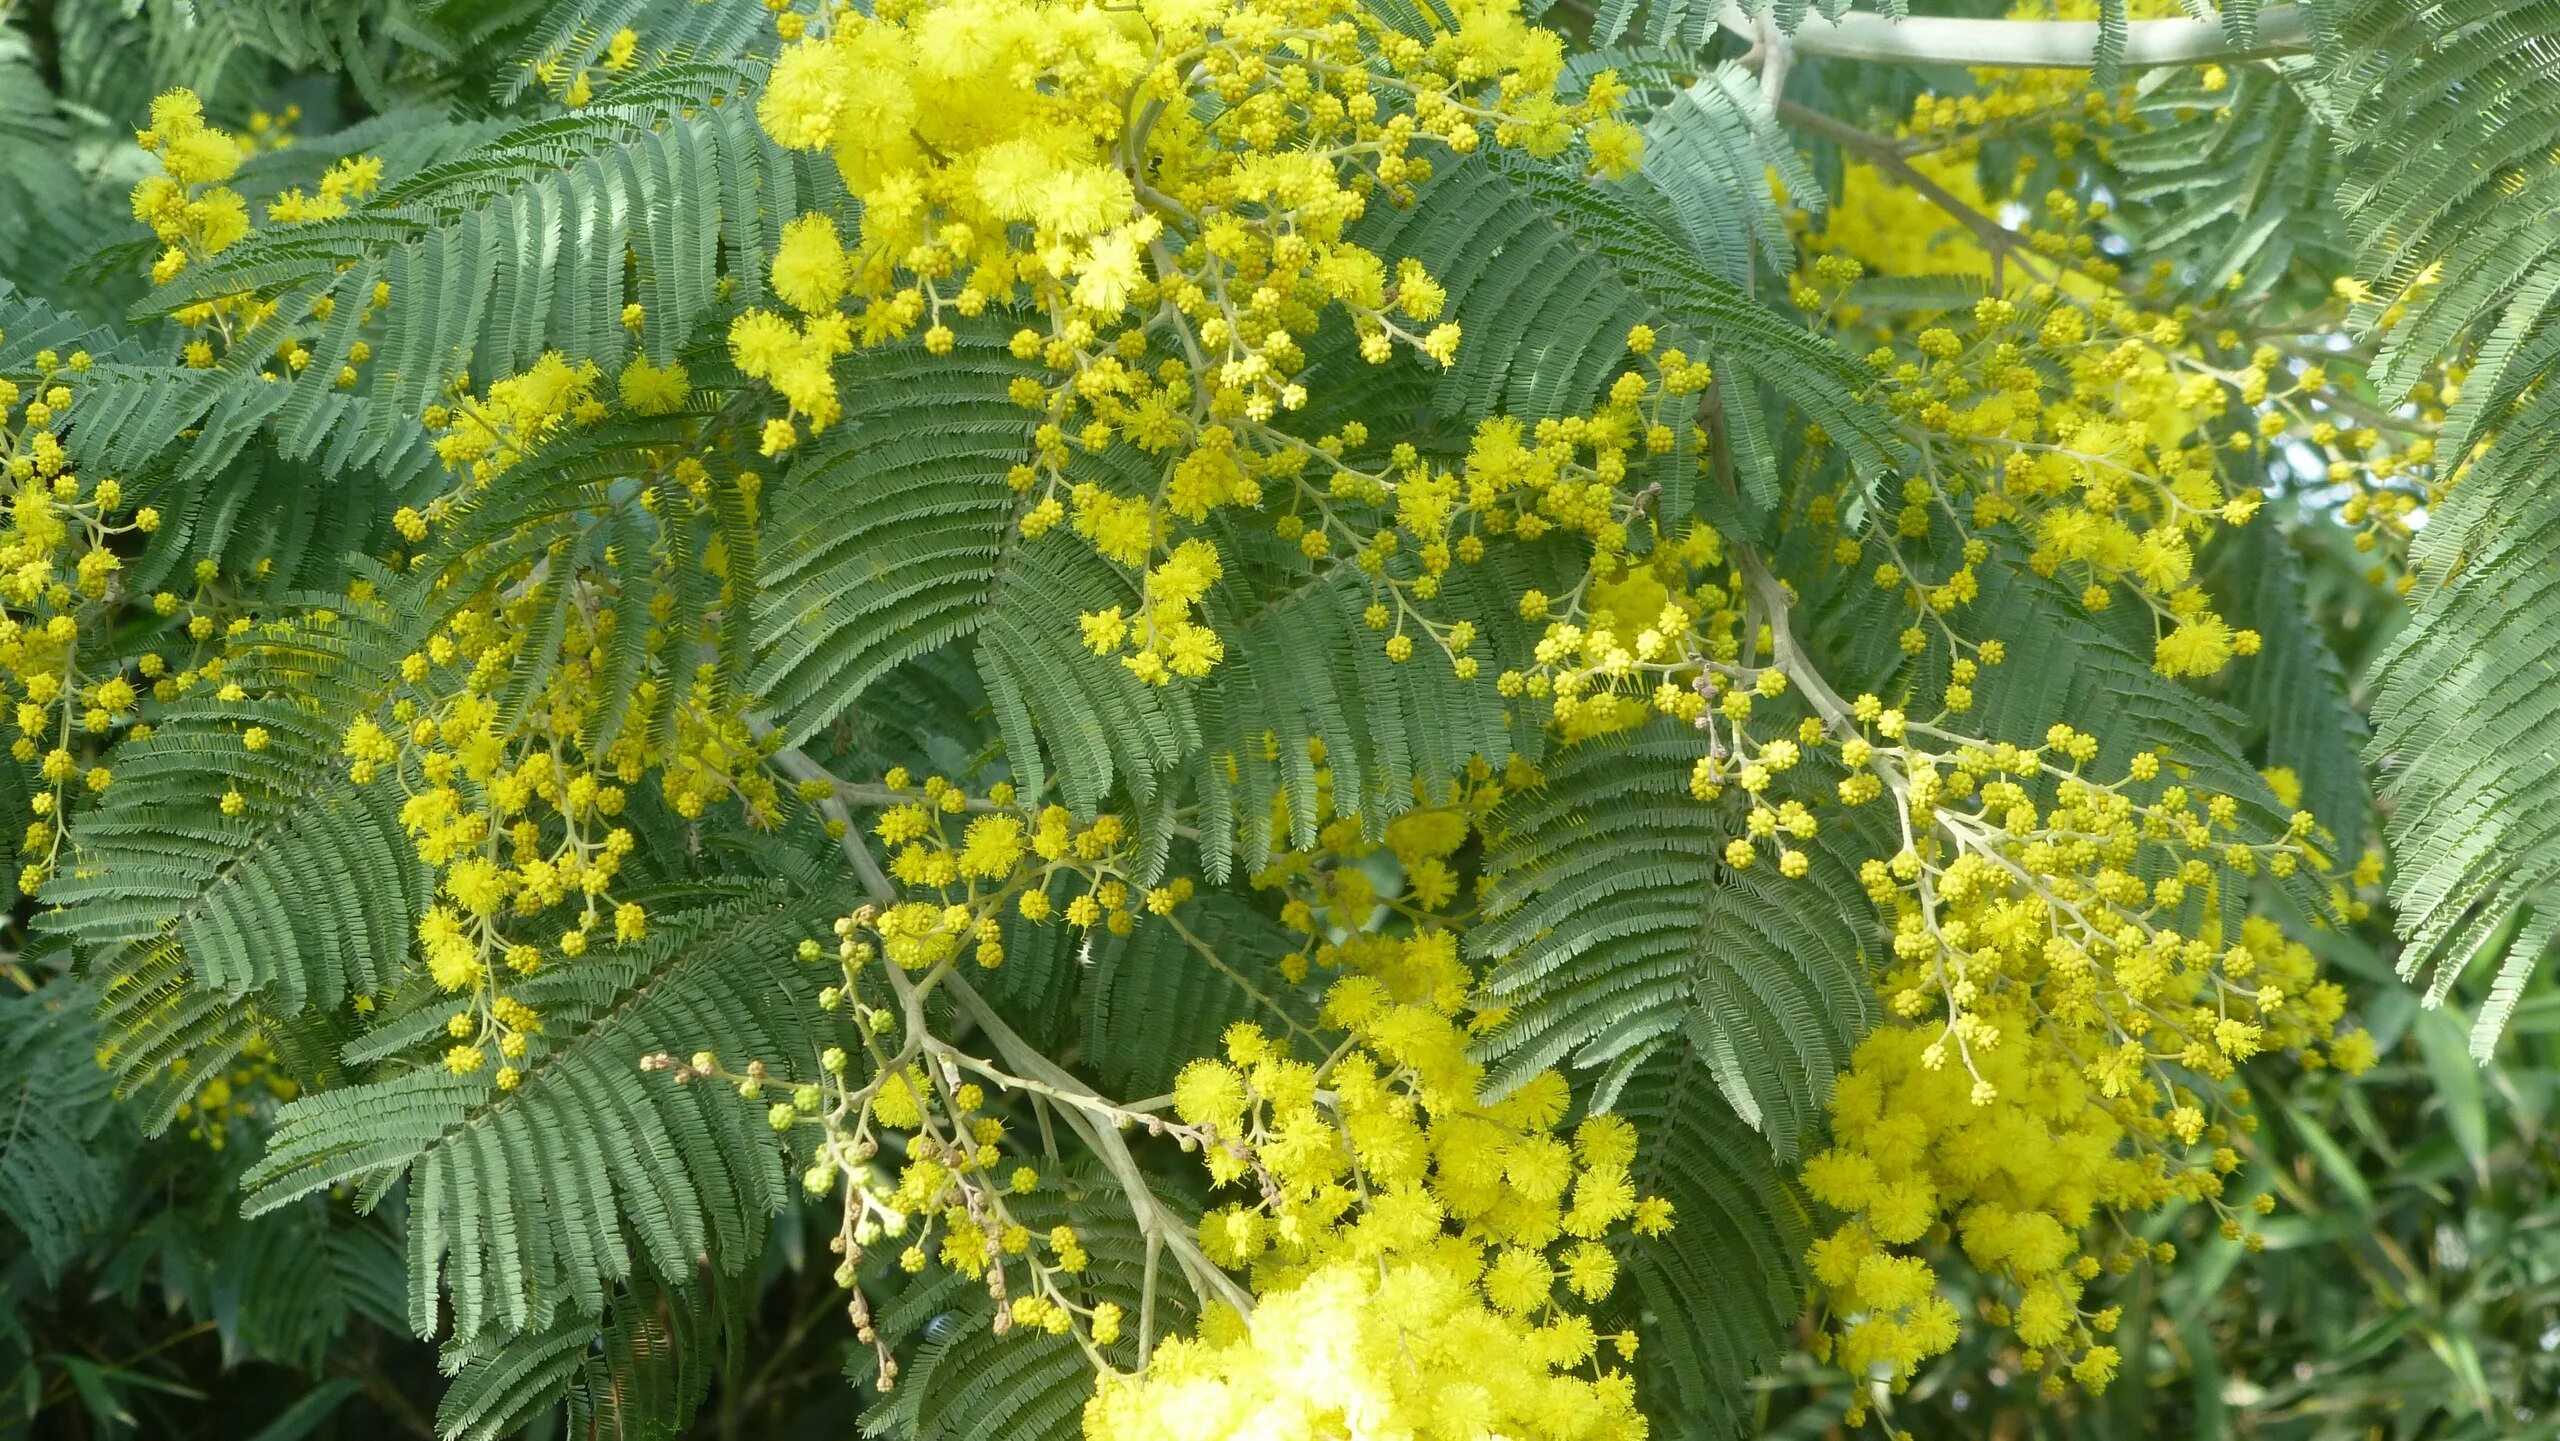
(1421, 1256)
(1005, 857)
(517, 814)
(2080, 1125)
(1167, 189)
(486, 435)
(2384, 466)
(1410, 1348)
(352, 178)
(2018, 1182)
(2081, 428)
(2070, 1015)
(59, 571)
(2062, 106)
(2110, 430)
(1566, 475)
(186, 205)
(2069, 996)
(2067, 1016)
(1895, 229)
(2066, 1012)
(2067, 1009)
(197, 217)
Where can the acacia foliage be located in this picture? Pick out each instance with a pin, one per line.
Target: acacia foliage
(473, 408)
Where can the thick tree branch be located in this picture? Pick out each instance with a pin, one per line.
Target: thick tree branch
(1158, 1221)
(2057, 44)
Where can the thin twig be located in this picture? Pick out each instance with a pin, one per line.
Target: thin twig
(1887, 156)
(1154, 1218)
(1157, 1221)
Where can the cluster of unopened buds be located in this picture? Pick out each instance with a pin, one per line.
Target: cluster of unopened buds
(908, 1140)
(949, 1192)
(59, 574)
(2058, 102)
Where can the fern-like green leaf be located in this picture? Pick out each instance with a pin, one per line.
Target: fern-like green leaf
(1618, 933)
(158, 1028)
(528, 1201)
(58, 1164)
(2448, 115)
(504, 1384)
(200, 446)
(576, 35)
(1546, 274)
(1710, 152)
(964, 1382)
(1689, 23)
(2466, 716)
(1163, 994)
(896, 536)
(639, 1373)
(487, 256)
(312, 889)
(2235, 182)
(2295, 691)
(1306, 677)
(1739, 1240)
